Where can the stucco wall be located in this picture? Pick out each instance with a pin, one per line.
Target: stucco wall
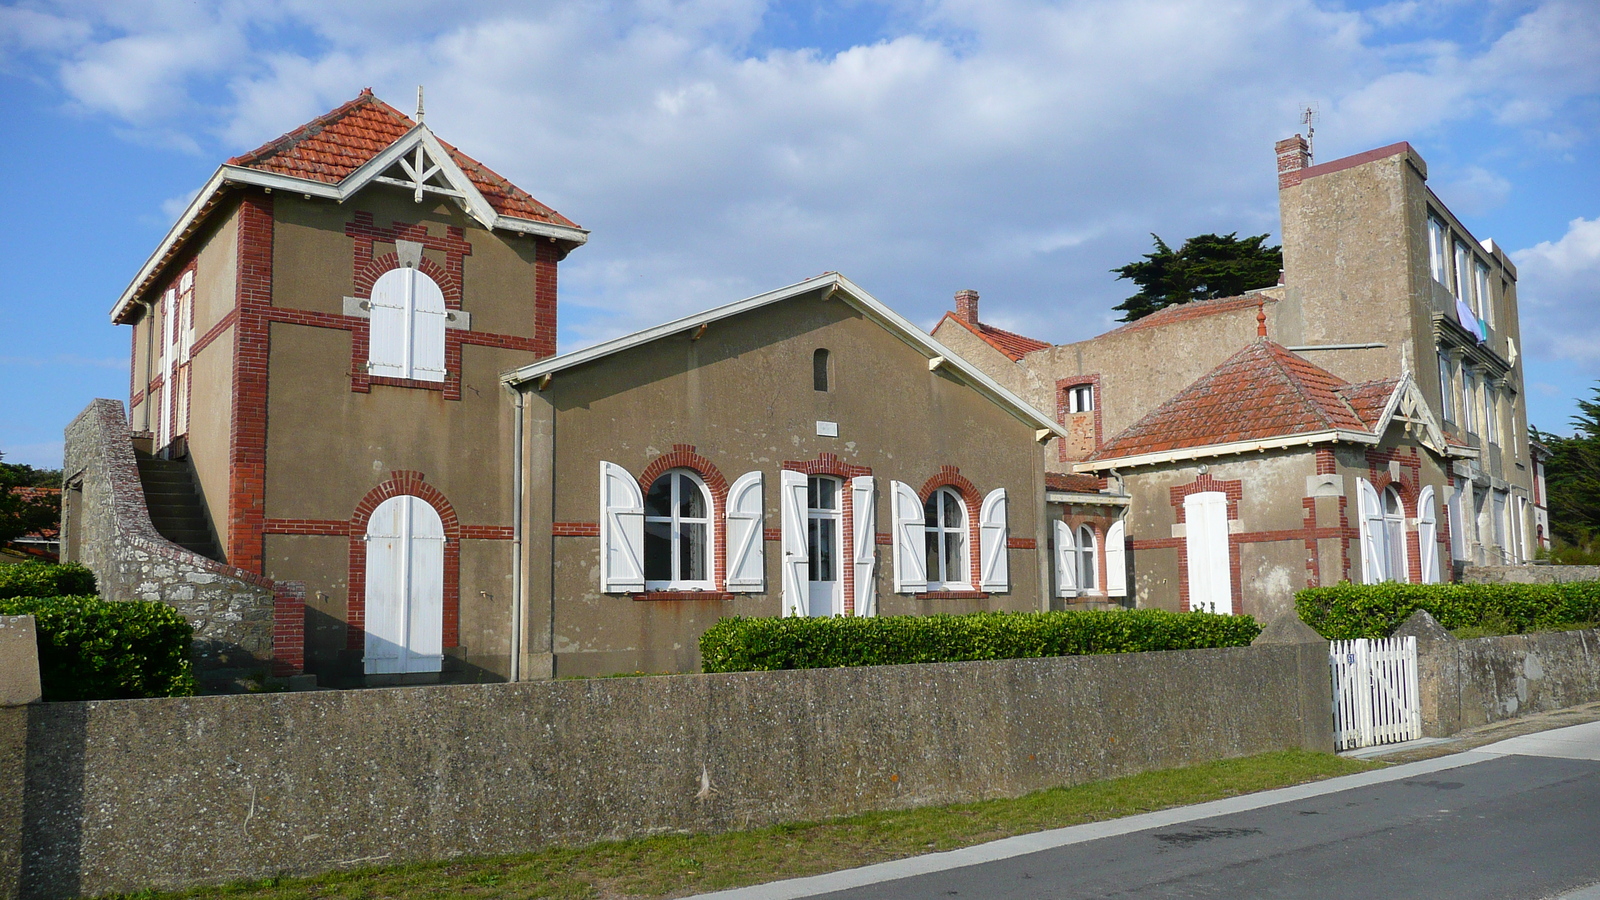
(121, 795)
(742, 395)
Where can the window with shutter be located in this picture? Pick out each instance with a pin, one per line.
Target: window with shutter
(677, 533)
(1116, 560)
(1066, 561)
(406, 338)
(945, 541)
(1427, 536)
(994, 569)
(793, 505)
(621, 531)
(1207, 554)
(864, 508)
(746, 559)
(1088, 566)
(1374, 554)
(1395, 564)
(910, 575)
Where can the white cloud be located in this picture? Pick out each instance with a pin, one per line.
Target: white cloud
(1558, 284)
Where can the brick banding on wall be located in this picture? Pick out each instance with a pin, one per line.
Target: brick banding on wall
(575, 529)
(247, 427)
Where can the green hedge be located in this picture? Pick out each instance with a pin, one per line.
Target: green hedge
(1346, 611)
(35, 579)
(94, 649)
(742, 645)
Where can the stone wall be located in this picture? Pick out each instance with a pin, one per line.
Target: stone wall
(1529, 574)
(1469, 683)
(106, 526)
(127, 794)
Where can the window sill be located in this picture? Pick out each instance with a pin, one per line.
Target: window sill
(954, 595)
(392, 381)
(684, 595)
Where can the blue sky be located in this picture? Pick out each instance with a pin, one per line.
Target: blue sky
(724, 147)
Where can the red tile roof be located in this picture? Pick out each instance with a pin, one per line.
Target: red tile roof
(1262, 392)
(331, 146)
(1197, 309)
(1077, 484)
(40, 493)
(1013, 345)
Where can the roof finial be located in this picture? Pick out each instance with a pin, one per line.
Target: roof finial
(419, 103)
(1261, 320)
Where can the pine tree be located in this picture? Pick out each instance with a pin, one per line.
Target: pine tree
(1207, 266)
(1572, 477)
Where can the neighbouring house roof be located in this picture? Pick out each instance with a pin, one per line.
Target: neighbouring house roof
(836, 287)
(1013, 345)
(1197, 309)
(340, 153)
(1263, 396)
(1073, 484)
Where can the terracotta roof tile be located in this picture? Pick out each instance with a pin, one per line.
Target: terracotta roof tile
(1013, 345)
(331, 146)
(40, 493)
(1264, 391)
(1077, 484)
(1197, 309)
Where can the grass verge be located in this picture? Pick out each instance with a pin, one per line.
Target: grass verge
(676, 865)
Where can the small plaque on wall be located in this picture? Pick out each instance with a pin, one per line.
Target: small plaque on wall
(827, 429)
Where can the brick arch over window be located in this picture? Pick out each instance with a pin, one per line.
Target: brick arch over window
(1234, 492)
(403, 483)
(1409, 487)
(683, 456)
(368, 276)
(951, 477)
(830, 464)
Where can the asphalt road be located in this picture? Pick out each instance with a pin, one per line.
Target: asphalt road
(1518, 819)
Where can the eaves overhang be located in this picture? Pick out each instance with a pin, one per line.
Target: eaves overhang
(1233, 448)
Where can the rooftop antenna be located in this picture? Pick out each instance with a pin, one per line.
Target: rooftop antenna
(419, 103)
(1308, 118)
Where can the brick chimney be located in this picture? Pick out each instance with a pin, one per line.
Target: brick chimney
(967, 306)
(1294, 154)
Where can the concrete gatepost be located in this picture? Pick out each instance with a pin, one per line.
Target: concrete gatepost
(1316, 678)
(1438, 673)
(19, 686)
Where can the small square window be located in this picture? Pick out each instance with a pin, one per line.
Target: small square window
(1080, 398)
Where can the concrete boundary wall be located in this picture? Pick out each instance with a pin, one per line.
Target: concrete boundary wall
(127, 794)
(1469, 683)
(1529, 574)
(106, 526)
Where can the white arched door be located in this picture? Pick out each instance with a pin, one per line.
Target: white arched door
(405, 588)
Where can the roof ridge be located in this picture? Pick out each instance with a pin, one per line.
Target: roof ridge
(316, 126)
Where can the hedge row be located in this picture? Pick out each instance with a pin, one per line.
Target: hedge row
(34, 579)
(94, 649)
(1346, 611)
(743, 645)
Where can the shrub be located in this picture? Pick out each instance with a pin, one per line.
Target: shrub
(741, 645)
(94, 649)
(1346, 611)
(35, 579)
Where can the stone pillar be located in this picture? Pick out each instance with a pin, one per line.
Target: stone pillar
(19, 686)
(1438, 673)
(1315, 699)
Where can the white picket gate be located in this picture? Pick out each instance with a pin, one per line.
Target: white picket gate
(1375, 697)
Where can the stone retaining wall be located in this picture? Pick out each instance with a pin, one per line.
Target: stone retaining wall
(1529, 574)
(106, 526)
(123, 795)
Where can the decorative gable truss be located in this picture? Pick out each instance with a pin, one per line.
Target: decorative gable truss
(420, 164)
(1407, 405)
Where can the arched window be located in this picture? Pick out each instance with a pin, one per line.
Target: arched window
(407, 335)
(1394, 536)
(1088, 570)
(404, 588)
(945, 520)
(677, 533)
(819, 370)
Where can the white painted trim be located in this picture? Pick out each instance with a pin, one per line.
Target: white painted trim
(1188, 453)
(1086, 499)
(839, 287)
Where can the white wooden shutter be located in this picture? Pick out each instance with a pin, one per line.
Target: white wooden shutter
(1066, 561)
(1116, 560)
(1428, 536)
(385, 587)
(864, 507)
(746, 556)
(621, 531)
(994, 569)
(793, 505)
(389, 332)
(910, 540)
(424, 589)
(427, 328)
(1373, 551)
(1206, 543)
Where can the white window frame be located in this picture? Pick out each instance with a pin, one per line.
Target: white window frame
(1438, 242)
(407, 316)
(1469, 401)
(675, 520)
(1088, 560)
(1080, 398)
(1396, 556)
(1447, 389)
(1485, 306)
(1463, 280)
(935, 529)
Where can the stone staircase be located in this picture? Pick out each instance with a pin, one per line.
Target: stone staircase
(174, 504)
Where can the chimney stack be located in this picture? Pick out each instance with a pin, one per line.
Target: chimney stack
(967, 306)
(1294, 154)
